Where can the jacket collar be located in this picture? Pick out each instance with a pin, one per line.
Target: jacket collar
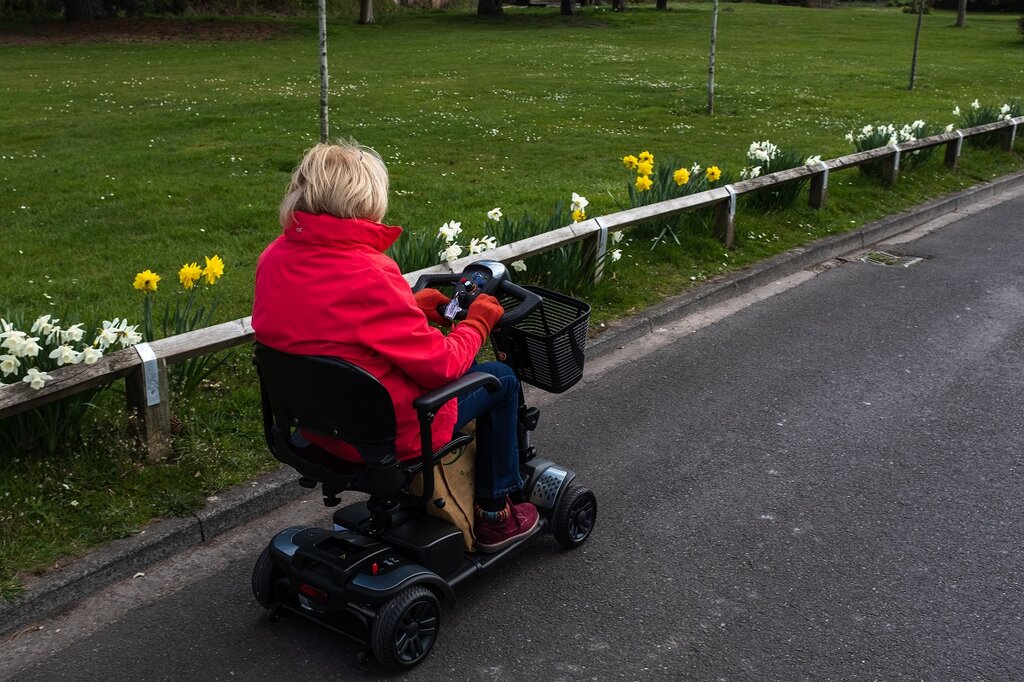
(321, 228)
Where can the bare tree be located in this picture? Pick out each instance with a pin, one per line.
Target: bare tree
(366, 12)
(567, 8)
(322, 10)
(711, 58)
(961, 13)
(661, 4)
(917, 41)
(618, 5)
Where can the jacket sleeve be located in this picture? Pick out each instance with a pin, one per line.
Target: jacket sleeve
(396, 328)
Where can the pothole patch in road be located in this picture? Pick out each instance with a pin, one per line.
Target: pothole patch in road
(895, 260)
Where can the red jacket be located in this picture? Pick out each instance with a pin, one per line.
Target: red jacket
(325, 287)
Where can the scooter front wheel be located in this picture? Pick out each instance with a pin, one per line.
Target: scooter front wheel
(406, 628)
(575, 517)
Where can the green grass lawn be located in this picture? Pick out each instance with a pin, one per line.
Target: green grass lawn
(121, 156)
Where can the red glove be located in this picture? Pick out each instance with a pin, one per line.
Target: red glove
(483, 314)
(428, 300)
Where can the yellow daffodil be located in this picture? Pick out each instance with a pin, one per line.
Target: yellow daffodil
(714, 173)
(681, 176)
(146, 281)
(629, 161)
(214, 269)
(646, 157)
(643, 183)
(578, 215)
(644, 168)
(189, 275)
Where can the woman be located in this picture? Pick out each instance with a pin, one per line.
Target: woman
(326, 287)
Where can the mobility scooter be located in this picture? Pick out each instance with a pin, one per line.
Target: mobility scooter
(380, 575)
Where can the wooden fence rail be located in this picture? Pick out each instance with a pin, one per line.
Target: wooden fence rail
(144, 367)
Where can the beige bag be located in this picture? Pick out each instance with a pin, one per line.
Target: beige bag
(454, 482)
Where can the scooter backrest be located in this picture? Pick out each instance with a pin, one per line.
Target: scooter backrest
(329, 397)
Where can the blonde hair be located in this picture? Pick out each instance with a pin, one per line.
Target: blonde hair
(346, 180)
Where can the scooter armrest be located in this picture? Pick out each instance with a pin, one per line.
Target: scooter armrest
(432, 401)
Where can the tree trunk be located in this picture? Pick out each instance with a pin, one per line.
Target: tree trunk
(322, 10)
(917, 41)
(662, 4)
(618, 5)
(366, 12)
(961, 13)
(711, 58)
(82, 10)
(567, 8)
(489, 8)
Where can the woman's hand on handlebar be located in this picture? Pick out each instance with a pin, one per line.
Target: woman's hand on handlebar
(484, 312)
(432, 302)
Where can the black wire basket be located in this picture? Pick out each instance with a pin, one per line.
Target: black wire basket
(546, 348)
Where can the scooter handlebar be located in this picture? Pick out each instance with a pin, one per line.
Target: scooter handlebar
(495, 282)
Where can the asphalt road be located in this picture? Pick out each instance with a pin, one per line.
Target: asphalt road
(825, 485)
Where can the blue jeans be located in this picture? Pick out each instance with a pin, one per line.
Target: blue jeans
(497, 433)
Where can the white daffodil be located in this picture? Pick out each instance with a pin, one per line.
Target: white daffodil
(9, 364)
(35, 378)
(867, 130)
(518, 265)
(975, 104)
(476, 246)
(43, 324)
(90, 355)
(695, 169)
(107, 335)
(65, 355)
(29, 347)
(849, 137)
(616, 236)
(956, 110)
(5, 327)
(12, 340)
(128, 336)
(494, 214)
(949, 128)
(616, 255)
(72, 334)
(489, 242)
(451, 253)
(578, 203)
(813, 160)
(1005, 109)
(450, 230)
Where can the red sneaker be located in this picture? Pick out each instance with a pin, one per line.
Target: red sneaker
(515, 521)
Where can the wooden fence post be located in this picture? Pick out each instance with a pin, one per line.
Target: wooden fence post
(819, 187)
(149, 404)
(725, 218)
(953, 148)
(892, 170)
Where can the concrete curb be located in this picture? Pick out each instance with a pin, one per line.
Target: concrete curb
(59, 590)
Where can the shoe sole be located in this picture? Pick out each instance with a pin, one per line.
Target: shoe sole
(491, 549)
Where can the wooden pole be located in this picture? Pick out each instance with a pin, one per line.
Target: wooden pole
(324, 131)
(711, 58)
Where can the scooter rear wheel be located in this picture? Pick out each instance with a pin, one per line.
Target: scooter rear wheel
(263, 580)
(406, 628)
(575, 516)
